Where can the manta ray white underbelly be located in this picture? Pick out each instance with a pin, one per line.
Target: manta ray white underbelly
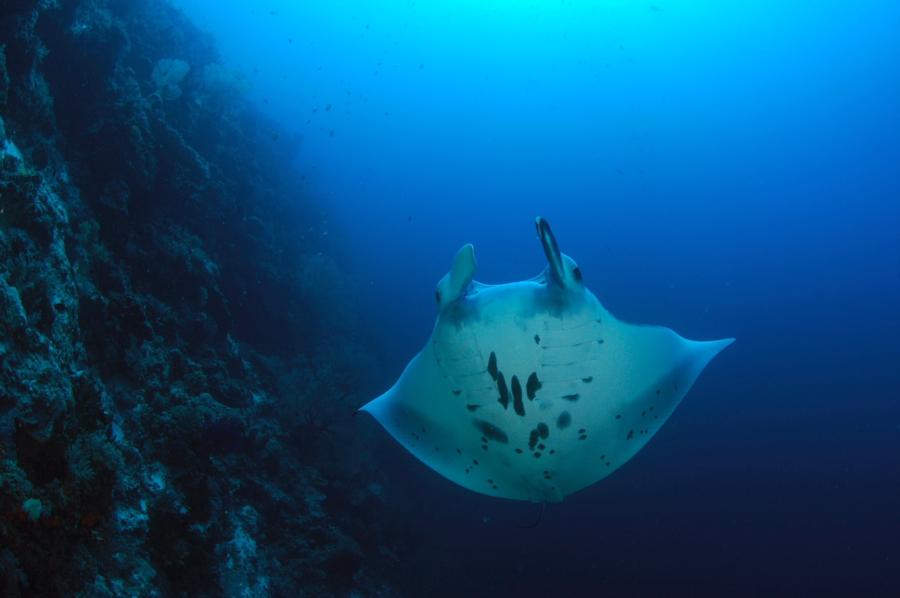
(532, 390)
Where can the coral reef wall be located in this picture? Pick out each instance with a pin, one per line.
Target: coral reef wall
(177, 346)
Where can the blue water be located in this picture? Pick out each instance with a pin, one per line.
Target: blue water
(725, 169)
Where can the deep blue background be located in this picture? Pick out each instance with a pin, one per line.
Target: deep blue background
(722, 170)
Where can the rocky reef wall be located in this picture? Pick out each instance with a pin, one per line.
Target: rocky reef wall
(177, 348)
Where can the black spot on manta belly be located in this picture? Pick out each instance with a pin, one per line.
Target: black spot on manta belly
(563, 421)
(588, 379)
(490, 431)
(572, 397)
(472, 407)
(517, 396)
(492, 365)
(501, 388)
(630, 434)
(532, 385)
(543, 430)
(533, 439)
(537, 339)
(456, 392)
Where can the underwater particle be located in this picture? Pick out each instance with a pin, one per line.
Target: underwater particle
(421, 66)
(327, 107)
(331, 132)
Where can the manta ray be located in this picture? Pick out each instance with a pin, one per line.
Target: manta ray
(532, 390)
